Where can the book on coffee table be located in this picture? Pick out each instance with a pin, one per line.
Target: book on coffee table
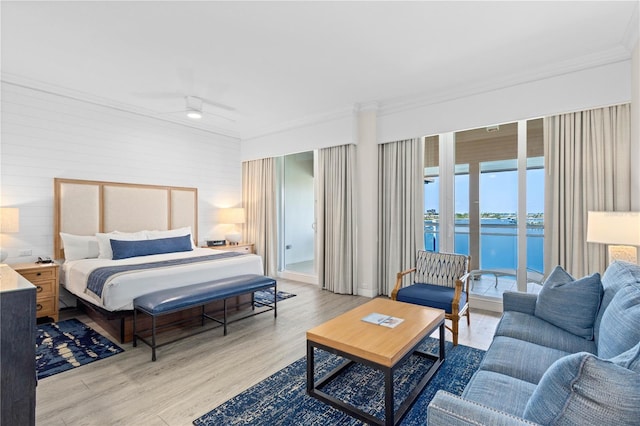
(383, 320)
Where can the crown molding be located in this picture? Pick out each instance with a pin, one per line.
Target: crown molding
(367, 106)
(608, 57)
(52, 89)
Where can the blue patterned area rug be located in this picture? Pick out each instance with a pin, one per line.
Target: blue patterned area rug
(282, 399)
(61, 346)
(266, 296)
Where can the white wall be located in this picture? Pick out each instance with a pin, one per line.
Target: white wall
(367, 201)
(46, 136)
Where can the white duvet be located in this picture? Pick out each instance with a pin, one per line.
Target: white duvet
(118, 292)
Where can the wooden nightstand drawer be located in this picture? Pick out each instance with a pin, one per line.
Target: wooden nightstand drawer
(242, 248)
(45, 279)
(44, 288)
(46, 307)
(34, 276)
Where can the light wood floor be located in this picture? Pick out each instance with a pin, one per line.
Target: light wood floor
(193, 376)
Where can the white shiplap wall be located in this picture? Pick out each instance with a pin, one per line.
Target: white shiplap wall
(46, 136)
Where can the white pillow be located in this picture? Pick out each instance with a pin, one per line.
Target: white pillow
(104, 242)
(178, 232)
(78, 247)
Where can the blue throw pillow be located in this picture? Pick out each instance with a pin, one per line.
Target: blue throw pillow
(570, 304)
(582, 389)
(620, 325)
(126, 249)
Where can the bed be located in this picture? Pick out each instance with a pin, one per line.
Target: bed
(89, 215)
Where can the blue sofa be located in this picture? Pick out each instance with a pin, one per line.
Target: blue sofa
(567, 356)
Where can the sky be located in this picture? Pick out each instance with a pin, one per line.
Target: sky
(498, 192)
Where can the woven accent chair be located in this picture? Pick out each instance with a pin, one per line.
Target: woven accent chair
(440, 281)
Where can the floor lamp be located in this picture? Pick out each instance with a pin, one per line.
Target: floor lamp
(619, 230)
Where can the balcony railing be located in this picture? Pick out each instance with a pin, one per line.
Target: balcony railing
(498, 242)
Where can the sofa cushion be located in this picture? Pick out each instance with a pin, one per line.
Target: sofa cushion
(620, 326)
(617, 275)
(629, 359)
(582, 389)
(488, 388)
(570, 304)
(519, 302)
(519, 359)
(535, 330)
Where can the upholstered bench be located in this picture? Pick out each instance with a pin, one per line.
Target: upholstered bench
(171, 300)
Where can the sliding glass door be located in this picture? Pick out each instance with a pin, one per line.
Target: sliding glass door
(486, 206)
(297, 217)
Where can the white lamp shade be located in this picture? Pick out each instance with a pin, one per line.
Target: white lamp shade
(232, 215)
(614, 228)
(9, 219)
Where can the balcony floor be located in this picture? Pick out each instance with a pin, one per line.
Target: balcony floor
(486, 286)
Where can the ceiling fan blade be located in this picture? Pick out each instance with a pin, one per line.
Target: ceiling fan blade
(227, 116)
(217, 105)
(158, 95)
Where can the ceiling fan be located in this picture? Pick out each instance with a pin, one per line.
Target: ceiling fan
(195, 107)
(195, 110)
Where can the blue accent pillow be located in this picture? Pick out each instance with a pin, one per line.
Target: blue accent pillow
(126, 249)
(620, 325)
(570, 304)
(582, 389)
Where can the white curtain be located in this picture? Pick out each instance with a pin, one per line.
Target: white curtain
(336, 219)
(400, 208)
(588, 168)
(260, 203)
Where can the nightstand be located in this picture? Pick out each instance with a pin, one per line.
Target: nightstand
(45, 277)
(241, 247)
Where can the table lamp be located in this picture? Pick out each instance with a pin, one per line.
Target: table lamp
(232, 216)
(620, 230)
(9, 223)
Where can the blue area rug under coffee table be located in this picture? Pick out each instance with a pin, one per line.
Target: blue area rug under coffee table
(63, 345)
(281, 399)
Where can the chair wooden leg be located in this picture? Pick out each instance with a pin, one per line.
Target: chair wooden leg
(454, 330)
(468, 316)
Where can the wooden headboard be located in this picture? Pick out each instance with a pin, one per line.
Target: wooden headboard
(84, 207)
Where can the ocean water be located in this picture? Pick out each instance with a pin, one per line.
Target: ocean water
(498, 243)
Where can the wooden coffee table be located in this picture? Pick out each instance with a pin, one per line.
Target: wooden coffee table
(379, 347)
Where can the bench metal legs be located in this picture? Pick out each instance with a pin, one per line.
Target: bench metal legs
(225, 317)
(225, 320)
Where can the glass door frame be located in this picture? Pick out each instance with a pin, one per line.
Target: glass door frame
(282, 271)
